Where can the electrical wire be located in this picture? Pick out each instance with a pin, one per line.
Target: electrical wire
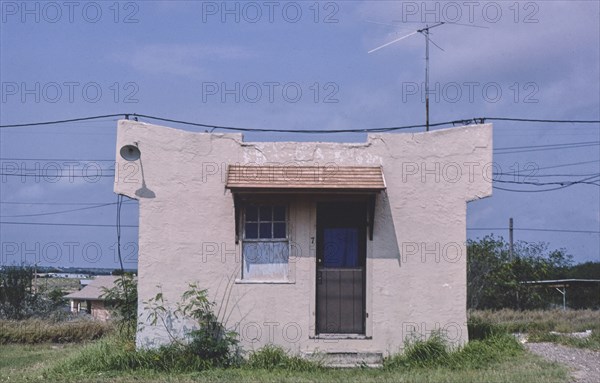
(58, 212)
(542, 120)
(571, 164)
(525, 176)
(530, 191)
(469, 228)
(519, 148)
(55, 176)
(58, 203)
(561, 183)
(83, 160)
(63, 224)
(61, 121)
(534, 229)
(544, 149)
(53, 159)
(479, 120)
(119, 203)
(568, 184)
(549, 145)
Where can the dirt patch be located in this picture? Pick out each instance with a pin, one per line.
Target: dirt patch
(584, 364)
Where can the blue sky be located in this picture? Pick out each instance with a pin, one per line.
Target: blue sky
(290, 65)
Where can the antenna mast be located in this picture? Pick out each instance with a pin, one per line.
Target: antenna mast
(425, 32)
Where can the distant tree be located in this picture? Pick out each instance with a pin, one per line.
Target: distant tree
(16, 293)
(494, 279)
(20, 300)
(587, 270)
(585, 295)
(56, 296)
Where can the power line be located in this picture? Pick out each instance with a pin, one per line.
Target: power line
(59, 212)
(530, 191)
(469, 228)
(64, 224)
(541, 120)
(561, 183)
(318, 131)
(55, 176)
(534, 229)
(525, 176)
(61, 121)
(54, 159)
(572, 164)
(84, 160)
(518, 149)
(549, 145)
(58, 203)
(542, 149)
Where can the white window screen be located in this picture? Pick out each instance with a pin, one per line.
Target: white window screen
(265, 245)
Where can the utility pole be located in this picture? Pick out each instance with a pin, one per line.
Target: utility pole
(510, 238)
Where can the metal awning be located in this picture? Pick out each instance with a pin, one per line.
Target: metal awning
(297, 178)
(562, 282)
(561, 285)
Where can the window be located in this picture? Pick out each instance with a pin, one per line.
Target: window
(265, 244)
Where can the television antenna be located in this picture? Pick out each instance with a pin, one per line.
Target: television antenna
(424, 32)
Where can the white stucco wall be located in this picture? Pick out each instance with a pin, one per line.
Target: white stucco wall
(416, 263)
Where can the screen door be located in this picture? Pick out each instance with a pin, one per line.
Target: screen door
(341, 256)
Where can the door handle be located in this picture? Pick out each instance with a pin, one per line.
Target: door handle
(319, 277)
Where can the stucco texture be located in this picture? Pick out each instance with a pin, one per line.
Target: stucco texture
(416, 262)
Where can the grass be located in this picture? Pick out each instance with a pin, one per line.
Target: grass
(539, 323)
(19, 362)
(65, 284)
(491, 356)
(541, 320)
(592, 342)
(37, 364)
(275, 358)
(477, 354)
(33, 331)
(497, 359)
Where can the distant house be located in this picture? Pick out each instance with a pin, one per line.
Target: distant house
(322, 246)
(89, 298)
(67, 275)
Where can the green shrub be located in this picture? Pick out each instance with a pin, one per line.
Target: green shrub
(479, 328)
(209, 340)
(421, 353)
(434, 352)
(481, 353)
(273, 357)
(122, 299)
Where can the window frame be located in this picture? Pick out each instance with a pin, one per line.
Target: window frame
(244, 278)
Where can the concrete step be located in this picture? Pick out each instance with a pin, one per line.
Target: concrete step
(348, 359)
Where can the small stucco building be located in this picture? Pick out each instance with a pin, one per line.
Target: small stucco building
(313, 246)
(90, 298)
